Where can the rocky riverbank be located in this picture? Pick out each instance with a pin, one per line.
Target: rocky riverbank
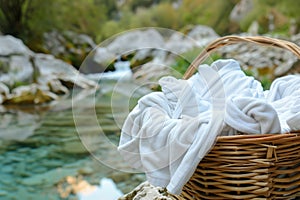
(30, 78)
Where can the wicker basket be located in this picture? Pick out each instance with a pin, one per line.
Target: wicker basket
(247, 166)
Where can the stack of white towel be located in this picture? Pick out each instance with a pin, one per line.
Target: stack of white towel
(168, 133)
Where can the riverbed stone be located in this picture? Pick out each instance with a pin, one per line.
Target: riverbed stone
(13, 46)
(145, 191)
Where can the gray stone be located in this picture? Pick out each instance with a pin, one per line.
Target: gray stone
(202, 35)
(103, 56)
(136, 40)
(21, 69)
(58, 43)
(257, 57)
(13, 46)
(57, 69)
(145, 191)
(179, 43)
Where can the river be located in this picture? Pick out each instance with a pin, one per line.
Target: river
(61, 150)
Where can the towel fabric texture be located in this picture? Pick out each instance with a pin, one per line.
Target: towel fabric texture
(168, 133)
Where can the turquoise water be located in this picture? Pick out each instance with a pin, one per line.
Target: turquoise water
(75, 137)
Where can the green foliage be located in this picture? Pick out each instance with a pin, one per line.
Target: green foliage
(184, 61)
(212, 13)
(282, 11)
(265, 81)
(12, 16)
(29, 19)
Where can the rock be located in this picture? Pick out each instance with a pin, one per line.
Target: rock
(79, 39)
(240, 10)
(203, 35)
(30, 94)
(13, 46)
(17, 70)
(41, 77)
(151, 72)
(265, 62)
(53, 42)
(145, 191)
(53, 68)
(56, 87)
(136, 40)
(21, 69)
(103, 56)
(69, 44)
(178, 43)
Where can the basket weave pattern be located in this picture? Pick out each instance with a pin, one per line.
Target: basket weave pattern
(257, 167)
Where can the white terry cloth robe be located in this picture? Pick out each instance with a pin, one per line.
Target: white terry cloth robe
(284, 96)
(168, 133)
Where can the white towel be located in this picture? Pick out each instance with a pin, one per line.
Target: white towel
(284, 96)
(168, 133)
(251, 115)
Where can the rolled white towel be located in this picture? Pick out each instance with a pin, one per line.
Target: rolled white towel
(251, 115)
(284, 96)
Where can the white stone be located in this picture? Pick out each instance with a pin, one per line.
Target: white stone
(12, 46)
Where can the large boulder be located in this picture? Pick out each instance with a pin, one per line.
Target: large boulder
(68, 45)
(136, 40)
(27, 77)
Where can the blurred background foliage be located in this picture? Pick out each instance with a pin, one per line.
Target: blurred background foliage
(30, 19)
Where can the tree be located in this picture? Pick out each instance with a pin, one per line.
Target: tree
(13, 16)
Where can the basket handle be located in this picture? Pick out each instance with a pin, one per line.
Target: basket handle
(228, 40)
